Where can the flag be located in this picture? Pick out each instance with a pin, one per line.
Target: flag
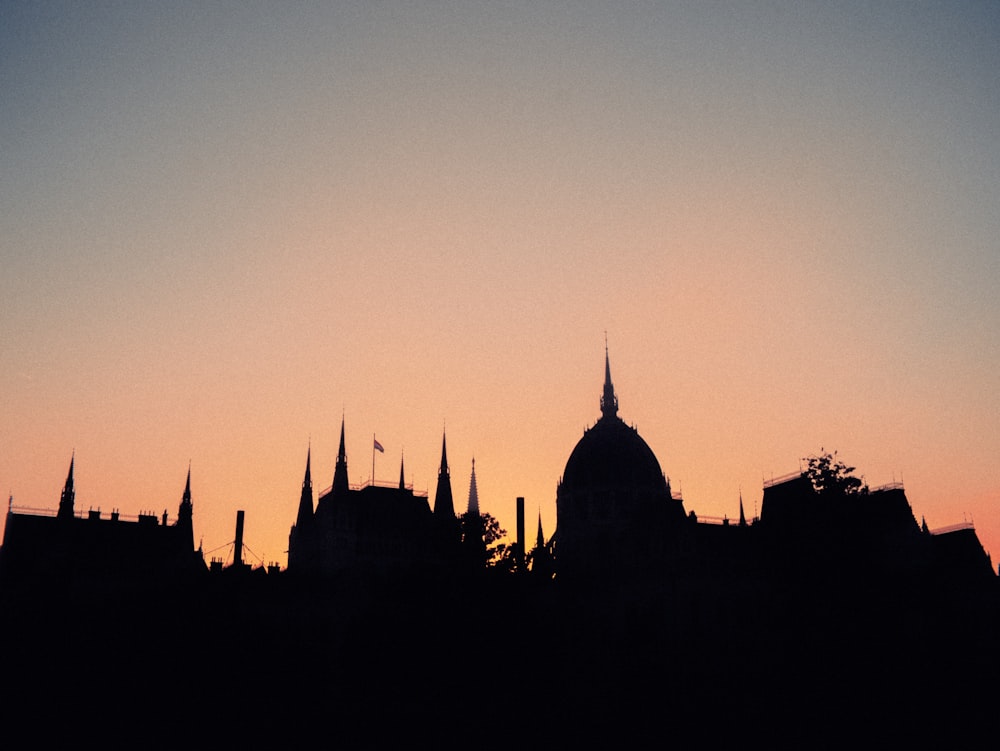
(378, 446)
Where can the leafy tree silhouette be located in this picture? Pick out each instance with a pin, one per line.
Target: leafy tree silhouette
(831, 477)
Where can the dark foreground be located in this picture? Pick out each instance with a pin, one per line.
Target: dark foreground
(496, 660)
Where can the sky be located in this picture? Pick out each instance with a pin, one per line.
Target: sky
(225, 229)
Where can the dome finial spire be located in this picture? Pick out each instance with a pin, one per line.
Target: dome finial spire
(609, 402)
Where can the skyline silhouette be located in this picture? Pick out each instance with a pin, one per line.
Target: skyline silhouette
(388, 617)
(610, 435)
(225, 230)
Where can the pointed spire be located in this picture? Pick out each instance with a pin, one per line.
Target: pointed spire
(340, 484)
(473, 492)
(186, 511)
(443, 504)
(540, 538)
(402, 483)
(68, 496)
(305, 513)
(186, 498)
(609, 402)
(743, 518)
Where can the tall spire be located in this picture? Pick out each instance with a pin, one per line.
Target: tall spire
(609, 402)
(473, 492)
(443, 504)
(540, 539)
(68, 494)
(340, 484)
(186, 498)
(743, 518)
(186, 511)
(402, 483)
(306, 499)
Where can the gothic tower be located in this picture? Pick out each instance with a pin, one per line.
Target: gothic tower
(185, 514)
(68, 494)
(541, 556)
(473, 534)
(302, 537)
(473, 507)
(444, 507)
(609, 400)
(340, 484)
(305, 514)
(448, 527)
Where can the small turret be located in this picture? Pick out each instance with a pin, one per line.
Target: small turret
(306, 499)
(68, 496)
(340, 483)
(443, 504)
(185, 512)
(609, 402)
(473, 530)
(473, 507)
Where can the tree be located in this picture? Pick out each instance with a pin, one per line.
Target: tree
(496, 551)
(482, 537)
(831, 477)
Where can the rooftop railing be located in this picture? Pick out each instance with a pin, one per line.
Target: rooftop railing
(783, 478)
(888, 486)
(89, 514)
(377, 484)
(952, 528)
(723, 521)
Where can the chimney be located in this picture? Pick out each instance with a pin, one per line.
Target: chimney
(519, 544)
(238, 545)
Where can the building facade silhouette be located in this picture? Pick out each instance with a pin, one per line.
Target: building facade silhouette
(618, 520)
(73, 546)
(373, 529)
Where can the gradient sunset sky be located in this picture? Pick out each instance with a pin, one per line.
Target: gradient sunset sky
(224, 228)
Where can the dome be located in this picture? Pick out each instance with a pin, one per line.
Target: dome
(614, 510)
(612, 455)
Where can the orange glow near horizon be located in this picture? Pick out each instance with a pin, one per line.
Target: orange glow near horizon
(223, 232)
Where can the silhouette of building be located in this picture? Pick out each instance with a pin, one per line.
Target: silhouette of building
(615, 512)
(618, 520)
(541, 555)
(72, 546)
(473, 531)
(755, 624)
(373, 528)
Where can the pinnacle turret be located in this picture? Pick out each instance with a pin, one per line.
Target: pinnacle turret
(186, 497)
(68, 496)
(473, 507)
(609, 402)
(340, 483)
(443, 504)
(186, 511)
(305, 500)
